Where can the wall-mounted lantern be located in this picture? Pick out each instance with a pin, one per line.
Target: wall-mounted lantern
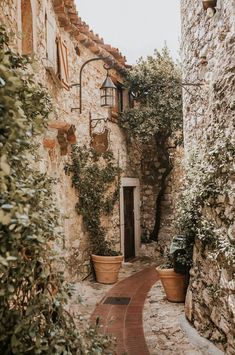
(107, 90)
(209, 6)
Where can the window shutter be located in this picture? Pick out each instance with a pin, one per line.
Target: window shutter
(51, 42)
(63, 67)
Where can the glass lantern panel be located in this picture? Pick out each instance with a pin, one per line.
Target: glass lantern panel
(107, 97)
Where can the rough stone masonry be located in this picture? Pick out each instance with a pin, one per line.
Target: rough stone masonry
(208, 54)
(42, 29)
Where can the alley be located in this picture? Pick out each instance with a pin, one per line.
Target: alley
(117, 213)
(136, 312)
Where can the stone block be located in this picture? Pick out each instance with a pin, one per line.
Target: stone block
(189, 305)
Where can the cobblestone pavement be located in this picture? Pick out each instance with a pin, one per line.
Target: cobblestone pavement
(87, 294)
(162, 331)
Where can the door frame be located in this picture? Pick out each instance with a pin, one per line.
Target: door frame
(130, 182)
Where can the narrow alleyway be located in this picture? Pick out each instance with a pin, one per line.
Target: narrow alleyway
(125, 320)
(146, 323)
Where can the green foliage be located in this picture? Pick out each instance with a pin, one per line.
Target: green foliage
(156, 86)
(32, 294)
(94, 175)
(99, 344)
(157, 114)
(203, 201)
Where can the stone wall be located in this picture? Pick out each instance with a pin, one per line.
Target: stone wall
(75, 245)
(146, 162)
(208, 54)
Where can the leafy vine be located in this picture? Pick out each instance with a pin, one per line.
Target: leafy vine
(155, 84)
(202, 213)
(94, 176)
(33, 294)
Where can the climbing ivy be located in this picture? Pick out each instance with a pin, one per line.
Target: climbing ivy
(32, 294)
(202, 208)
(155, 84)
(32, 319)
(94, 176)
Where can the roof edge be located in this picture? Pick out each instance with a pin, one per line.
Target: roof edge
(68, 18)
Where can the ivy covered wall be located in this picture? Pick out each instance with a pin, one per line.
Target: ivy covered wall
(146, 162)
(208, 214)
(54, 154)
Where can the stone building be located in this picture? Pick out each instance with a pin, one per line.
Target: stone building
(52, 33)
(208, 53)
(62, 47)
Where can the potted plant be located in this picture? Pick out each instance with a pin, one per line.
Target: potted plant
(107, 268)
(174, 272)
(106, 261)
(95, 176)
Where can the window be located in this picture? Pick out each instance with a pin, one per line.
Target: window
(131, 100)
(119, 97)
(50, 42)
(121, 100)
(27, 27)
(62, 62)
(56, 54)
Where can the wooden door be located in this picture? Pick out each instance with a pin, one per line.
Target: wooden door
(129, 223)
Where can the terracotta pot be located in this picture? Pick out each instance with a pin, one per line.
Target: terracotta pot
(71, 137)
(209, 4)
(49, 143)
(107, 268)
(174, 284)
(64, 126)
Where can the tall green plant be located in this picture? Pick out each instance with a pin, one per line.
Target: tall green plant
(156, 86)
(94, 176)
(202, 206)
(157, 116)
(32, 294)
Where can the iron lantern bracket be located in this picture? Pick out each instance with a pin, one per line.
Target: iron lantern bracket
(79, 84)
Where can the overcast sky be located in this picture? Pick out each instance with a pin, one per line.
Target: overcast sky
(136, 27)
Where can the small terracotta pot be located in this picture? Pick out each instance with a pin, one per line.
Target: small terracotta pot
(209, 4)
(49, 143)
(72, 139)
(107, 268)
(174, 284)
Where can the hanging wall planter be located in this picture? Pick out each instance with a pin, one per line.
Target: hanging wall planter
(209, 4)
(65, 135)
(49, 143)
(71, 137)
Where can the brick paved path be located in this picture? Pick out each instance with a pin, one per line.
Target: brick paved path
(125, 322)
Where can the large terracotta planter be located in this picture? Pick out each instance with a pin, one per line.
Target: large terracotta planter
(174, 284)
(107, 268)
